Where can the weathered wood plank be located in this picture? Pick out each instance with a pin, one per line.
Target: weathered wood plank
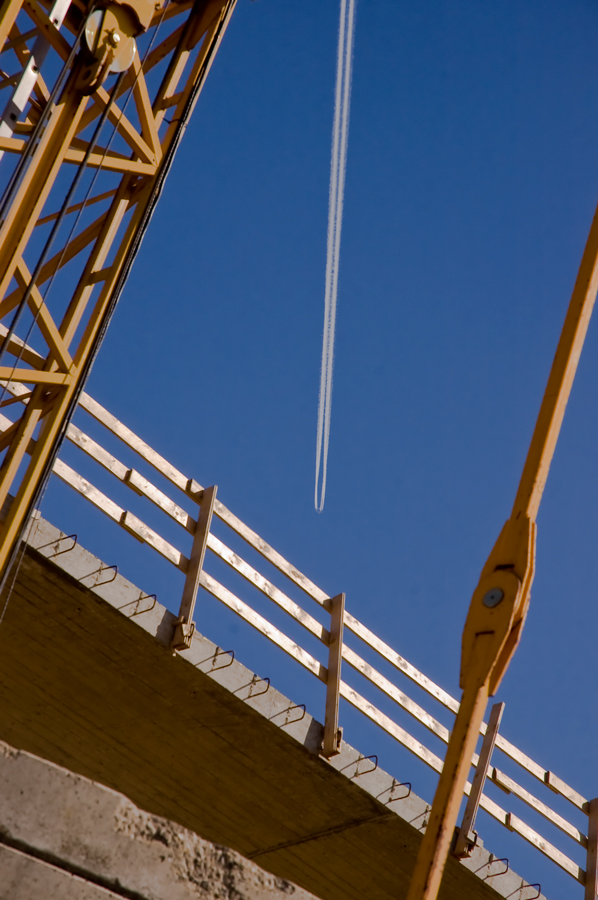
(560, 787)
(123, 517)
(545, 847)
(185, 625)
(145, 488)
(368, 637)
(466, 837)
(267, 588)
(270, 554)
(508, 784)
(451, 703)
(96, 451)
(394, 693)
(129, 437)
(91, 493)
(332, 732)
(266, 628)
(131, 477)
(147, 535)
(387, 724)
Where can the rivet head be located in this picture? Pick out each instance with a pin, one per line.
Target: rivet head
(493, 597)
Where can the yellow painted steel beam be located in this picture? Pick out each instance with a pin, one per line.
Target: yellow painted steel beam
(500, 602)
(9, 10)
(138, 150)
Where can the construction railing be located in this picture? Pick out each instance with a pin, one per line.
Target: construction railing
(335, 649)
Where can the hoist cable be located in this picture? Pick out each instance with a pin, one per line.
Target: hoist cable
(338, 164)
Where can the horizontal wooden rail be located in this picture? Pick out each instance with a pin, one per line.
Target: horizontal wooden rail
(130, 477)
(267, 588)
(509, 749)
(134, 442)
(121, 516)
(505, 818)
(381, 647)
(262, 625)
(144, 487)
(520, 827)
(506, 783)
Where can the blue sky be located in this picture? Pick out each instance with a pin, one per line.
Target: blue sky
(471, 184)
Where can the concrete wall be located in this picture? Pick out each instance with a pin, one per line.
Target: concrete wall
(64, 837)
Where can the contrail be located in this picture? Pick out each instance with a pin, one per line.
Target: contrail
(340, 134)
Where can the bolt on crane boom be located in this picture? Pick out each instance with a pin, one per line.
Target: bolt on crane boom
(500, 601)
(126, 75)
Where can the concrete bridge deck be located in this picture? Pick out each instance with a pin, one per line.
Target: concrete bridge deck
(87, 680)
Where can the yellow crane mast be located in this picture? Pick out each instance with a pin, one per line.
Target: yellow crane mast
(90, 140)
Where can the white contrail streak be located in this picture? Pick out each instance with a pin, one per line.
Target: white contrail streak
(340, 133)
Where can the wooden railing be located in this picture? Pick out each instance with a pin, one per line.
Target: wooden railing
(335, 647)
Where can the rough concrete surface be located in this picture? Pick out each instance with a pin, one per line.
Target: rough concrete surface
(88, 681)
(64, 837)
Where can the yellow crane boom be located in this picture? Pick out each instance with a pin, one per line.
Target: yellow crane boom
(500, 601)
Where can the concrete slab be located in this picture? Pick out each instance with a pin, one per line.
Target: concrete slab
(88, 682)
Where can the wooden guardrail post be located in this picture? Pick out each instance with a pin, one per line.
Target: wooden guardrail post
(591, 890)
(332, 733)
(466, 837)
(183, 633)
